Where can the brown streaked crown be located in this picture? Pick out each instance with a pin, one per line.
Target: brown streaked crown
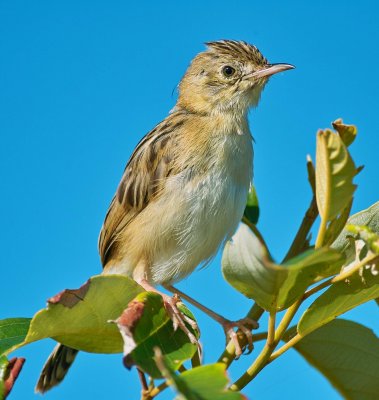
(237, 49)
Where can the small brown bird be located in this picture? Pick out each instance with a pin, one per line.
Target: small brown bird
(184, 189)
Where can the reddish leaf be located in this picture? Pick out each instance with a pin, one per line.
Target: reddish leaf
(13, 369)
(70, 297)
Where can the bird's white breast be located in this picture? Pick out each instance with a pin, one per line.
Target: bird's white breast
(207, 207)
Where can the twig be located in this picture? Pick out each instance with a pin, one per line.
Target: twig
(145, 386)
(261, 360)
(264, 357)
(285, 347)
(182, 368)
(271, 329)
(317, 288)
(303, 231)
(158, 389)
(286, 320)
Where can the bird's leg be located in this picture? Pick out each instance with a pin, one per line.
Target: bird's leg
(244, 324)
(170, 304)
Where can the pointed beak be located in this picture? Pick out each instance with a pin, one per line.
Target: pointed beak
(270, 69)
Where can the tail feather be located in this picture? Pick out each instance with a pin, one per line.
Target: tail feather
(56, 367)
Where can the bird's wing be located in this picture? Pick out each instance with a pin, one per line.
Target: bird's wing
(144, 177)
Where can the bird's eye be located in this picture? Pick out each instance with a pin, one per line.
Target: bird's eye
(228, 71)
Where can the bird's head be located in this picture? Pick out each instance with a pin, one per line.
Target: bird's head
(228, 76)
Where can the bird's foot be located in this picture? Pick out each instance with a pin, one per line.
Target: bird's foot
(178, 318)
(244, 325)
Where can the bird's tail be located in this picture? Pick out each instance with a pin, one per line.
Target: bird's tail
(56, 367)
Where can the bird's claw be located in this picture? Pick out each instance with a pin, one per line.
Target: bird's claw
(179, 319)
(244, 325)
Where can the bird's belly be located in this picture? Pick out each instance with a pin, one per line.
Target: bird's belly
(208, 213)
(194, 214)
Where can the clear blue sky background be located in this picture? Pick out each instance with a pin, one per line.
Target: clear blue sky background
(82, 81)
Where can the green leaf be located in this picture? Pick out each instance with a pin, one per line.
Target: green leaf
(79, 318)
(208, 382)
(369, 218)
(252, 206)
(347, 133)
(12, 332)
(347, 354)
(335, 171)
(336, 225)
(340, 298)
(248, 268)
(367, 235)
(146, 325)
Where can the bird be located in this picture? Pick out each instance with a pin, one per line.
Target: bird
(184, 189)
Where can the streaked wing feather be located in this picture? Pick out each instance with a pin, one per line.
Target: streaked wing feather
(144, 177)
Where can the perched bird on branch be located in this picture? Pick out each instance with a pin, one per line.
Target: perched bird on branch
(184, 189)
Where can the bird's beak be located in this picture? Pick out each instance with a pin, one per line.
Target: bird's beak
(270, 69)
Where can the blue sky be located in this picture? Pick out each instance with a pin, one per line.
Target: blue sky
(82, 81)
